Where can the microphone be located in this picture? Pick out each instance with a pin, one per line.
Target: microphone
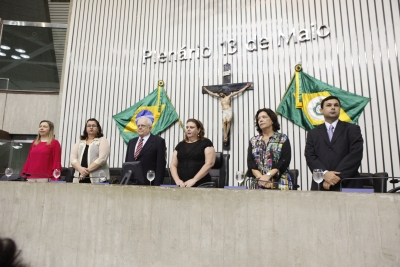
(166, 160)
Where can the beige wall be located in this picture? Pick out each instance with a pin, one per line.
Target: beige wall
(21, 113)
(104, 72)
(103, 225)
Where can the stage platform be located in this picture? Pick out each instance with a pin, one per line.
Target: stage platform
(112, 225)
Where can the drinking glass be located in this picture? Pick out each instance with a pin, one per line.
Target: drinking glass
(56, 173)
(8, 172)
(239, 177)
(102, 176)
(151, 175)
(318, 176)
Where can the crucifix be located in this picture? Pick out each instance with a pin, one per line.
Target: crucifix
(225, 92)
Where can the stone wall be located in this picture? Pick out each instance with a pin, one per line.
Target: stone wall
(104, 225)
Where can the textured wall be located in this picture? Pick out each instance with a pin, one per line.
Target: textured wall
(23, 112)
(98, 225)
(104, 71)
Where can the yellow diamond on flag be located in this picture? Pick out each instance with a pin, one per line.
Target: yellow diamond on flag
(311, 108)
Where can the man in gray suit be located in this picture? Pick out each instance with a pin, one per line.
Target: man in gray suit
(336, 147)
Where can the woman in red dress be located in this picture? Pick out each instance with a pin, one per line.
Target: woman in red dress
(44, 155)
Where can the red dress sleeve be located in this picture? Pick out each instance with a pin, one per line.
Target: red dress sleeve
(56, 150)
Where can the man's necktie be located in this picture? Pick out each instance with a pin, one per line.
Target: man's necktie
(139, 148)
(330, 132)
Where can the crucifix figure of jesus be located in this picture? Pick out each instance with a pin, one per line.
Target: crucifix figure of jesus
(227, 113)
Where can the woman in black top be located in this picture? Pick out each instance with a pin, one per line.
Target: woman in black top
(193, 157)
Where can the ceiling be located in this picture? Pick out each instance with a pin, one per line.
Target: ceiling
(44, 46)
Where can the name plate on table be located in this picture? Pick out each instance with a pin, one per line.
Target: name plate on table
(169, 185)
(235, 187)
(100, 183)
(358, 190)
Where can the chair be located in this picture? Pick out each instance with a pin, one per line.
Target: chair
(115, 175)
(294, 174)
(367, 181)
(379, 185)
(67, 174)
(208, 185)
(168, 177)
(220, 171)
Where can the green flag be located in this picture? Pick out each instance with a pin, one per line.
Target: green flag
(302, 99)
(156, 106)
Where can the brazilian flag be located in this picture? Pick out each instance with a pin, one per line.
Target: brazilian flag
(302, 100)
(156, 106)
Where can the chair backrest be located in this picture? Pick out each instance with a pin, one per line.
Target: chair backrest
(220, 171)
(367, 181)
(115, 175)
(379, 185)
(294, 174)
(208, 185)
(168, 177)
(67, 174)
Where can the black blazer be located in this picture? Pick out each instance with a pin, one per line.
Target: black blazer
(343, 154)
(152, 157)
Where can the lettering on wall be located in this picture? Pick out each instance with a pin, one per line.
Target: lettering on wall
(230, 47)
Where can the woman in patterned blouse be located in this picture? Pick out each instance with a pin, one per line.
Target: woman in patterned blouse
(269, 153)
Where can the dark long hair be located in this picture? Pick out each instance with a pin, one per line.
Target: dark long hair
(199, 125)
(275, 124)
(99, 134)
(9, 253)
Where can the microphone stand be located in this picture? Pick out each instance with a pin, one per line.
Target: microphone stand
(168, 170)
(254, 184)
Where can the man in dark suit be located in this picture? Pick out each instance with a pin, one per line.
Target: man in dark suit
(149, 149)
(339, 157)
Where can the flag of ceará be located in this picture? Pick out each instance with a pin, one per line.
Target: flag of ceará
(156, 106)
(302, 100)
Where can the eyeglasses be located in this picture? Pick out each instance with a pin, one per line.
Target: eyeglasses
(91, 126)
(142, 126)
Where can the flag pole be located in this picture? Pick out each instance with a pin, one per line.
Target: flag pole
(161, 83)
